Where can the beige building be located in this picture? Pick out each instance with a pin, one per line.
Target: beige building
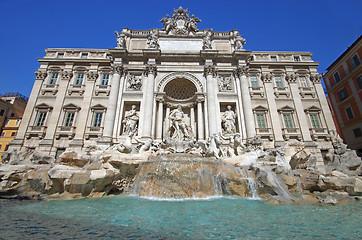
(84, 97)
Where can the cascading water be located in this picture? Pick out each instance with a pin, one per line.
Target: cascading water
(189, 176)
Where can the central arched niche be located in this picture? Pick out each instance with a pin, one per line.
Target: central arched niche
(180, 89)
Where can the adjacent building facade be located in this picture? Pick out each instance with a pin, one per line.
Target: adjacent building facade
(343, 81)
(12, 107)
(85, 97)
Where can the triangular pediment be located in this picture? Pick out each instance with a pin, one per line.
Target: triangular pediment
(98, 106)
(313, 109)
(286, 109)
(43, 106)
(71, 106)
(260, 109)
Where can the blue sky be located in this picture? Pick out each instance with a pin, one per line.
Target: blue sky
(324, 27)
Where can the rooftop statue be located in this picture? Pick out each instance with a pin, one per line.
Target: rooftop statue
(181, 23)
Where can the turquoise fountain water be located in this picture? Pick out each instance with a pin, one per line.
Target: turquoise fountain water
(215, 218)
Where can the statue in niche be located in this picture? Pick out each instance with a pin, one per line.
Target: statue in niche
(134, 82)
(178, 124)
(130, 121)
(228, 120)
(207, 40)
(121, 41)
(153, 39)
(239, 41)
(225, 83)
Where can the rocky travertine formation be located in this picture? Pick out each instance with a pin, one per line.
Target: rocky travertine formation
(272, 174)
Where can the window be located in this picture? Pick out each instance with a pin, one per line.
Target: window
(296, 59)
(7, 122)
(12, 115)
(314, 118)
(105, 79)
(288, 120)
(13, 134)
(53, 78)
(2, 112)
(336, 76)
(303, 81)
(97, 121)
(6, 148)
(60, 55)
(69, 118)
(84, 55)
(260, 118)
(1, 146)
(40, 120)
(357, 132)
(79, 79)
(342, 94)
(349, 113)
(17, 122)
(278, 81)
(359, 81)
(273, 58)
(254, 81)
(355, 61)
(3, 134)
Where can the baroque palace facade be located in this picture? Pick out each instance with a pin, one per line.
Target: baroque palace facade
(177, 80)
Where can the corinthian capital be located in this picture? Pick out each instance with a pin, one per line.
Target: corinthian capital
(210, 70)
(40, 75)
(119, 69)
(92, 76)
(151, 69)
(315, 78)
(241, 70)
(67, 75)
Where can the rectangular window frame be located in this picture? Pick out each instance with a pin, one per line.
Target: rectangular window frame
(69, 118)
(357, 132)
(53, 78)
(79, 79)
(349, 112)
(40, 118)
(342, 94)
(337, 77)
(278, 81)
(355, 61)
(288, 120)
(254, 81)
(315, 120)
(97, 119)
(303, 81)
(261, 120)
(105, 79)
(359, 81)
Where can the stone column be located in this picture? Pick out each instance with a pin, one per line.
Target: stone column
(302, 118)
(192, 118)
(323, 101)
(241, 110)
(274, 115)
(148, 101)
(25, 122)
(211, 101)
(200, 120)
(118, 120)
(159, 119)
(112, 104)
(246, 100)
(167, 121)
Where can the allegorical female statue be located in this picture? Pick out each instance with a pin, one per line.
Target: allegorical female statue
(228, 119)
(130, 121)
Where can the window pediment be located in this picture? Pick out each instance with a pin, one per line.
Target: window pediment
(286, 109)
(43, 106)
(312, 109)
(260, 109)
(71, 106)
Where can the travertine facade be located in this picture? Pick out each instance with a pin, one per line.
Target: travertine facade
(177, 82)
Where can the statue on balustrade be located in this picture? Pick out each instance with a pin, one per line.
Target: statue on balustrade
(130, 121)
(228, 121)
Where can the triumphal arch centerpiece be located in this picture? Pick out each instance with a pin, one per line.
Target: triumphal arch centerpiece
(175, 86)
